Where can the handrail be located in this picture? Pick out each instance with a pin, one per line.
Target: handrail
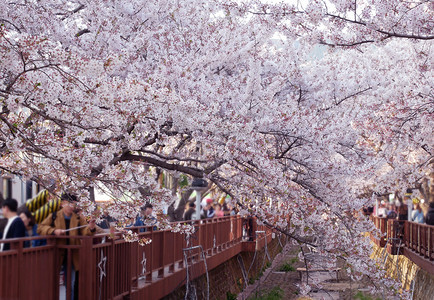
(113, 268)
(420, 238)
(416, 237)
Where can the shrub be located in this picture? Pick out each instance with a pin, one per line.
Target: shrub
(230, 296)
(286, 267)
(275, 293)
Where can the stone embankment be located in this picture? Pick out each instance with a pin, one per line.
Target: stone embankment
(414, 279)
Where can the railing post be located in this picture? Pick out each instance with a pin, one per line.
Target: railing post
(254, 228)
(172, 256)
(55, 278)
(429, 249)
(85, 272)
(163, 255)
(111, 267)
(21, 266)
(410, 232)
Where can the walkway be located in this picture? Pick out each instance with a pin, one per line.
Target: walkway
(115, 268)
(288, 281)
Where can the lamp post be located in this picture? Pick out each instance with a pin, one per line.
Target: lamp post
(407, 196)
(198, 185)
(374, 196)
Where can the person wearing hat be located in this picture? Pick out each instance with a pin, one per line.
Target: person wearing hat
(417, 214)
(63, 223)
(382, 211)
(207, 210)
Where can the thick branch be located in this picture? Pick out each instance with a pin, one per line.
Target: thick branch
(389, 34)
(162, 164)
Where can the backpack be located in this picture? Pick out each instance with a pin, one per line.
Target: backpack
(53, 218)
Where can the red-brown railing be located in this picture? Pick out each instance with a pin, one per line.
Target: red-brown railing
(111, 268)
(414, 240)
(420, 238)
(26, 272)
(381, 224)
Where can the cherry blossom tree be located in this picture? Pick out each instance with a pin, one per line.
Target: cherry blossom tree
(306, 104)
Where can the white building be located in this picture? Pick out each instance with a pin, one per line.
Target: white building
(13, 187)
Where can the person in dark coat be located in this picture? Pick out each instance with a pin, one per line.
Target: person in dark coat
(190, 211)
(146, 218)
(15, 227)
(429, 219)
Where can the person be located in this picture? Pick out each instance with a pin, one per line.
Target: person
(67, 222)
(207, 210)
(146, 218)
(417, 214)
(3, 221)
(211, 210)
(31, 228)
(392, 214)
(430, 214)
(106, 219)
(402, 211)
(382, 211)
(15, 227)
(248, 227)
(218, 211)
(368, 210)
(230, 210)
(205, 201)
(190, 211)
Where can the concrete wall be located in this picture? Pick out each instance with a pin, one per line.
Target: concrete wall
(405, 270)
(228, 277)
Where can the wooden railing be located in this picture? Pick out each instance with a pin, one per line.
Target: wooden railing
(26, 272)
(381, 224)
(113, 268)
(420, 239)
(414, 240)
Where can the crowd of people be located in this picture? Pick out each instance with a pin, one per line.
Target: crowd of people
(64, 222)
(209, 209)
(399, 210)
(67, 221)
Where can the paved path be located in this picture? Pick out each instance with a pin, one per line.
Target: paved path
(288, 281)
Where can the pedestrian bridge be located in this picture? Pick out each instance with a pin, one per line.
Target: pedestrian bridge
(116, 269)
(413, 240)
(112, 268)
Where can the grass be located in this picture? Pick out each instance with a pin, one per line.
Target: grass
(275, 293)
(361, 296)
(230, 296)
(261, 272)
(287, 266)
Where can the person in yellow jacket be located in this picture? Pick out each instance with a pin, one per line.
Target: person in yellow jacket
(66, 222)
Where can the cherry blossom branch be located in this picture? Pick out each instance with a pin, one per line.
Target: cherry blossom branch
(322, 42)
(162, 164)
(173, 157)
(387, 33)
